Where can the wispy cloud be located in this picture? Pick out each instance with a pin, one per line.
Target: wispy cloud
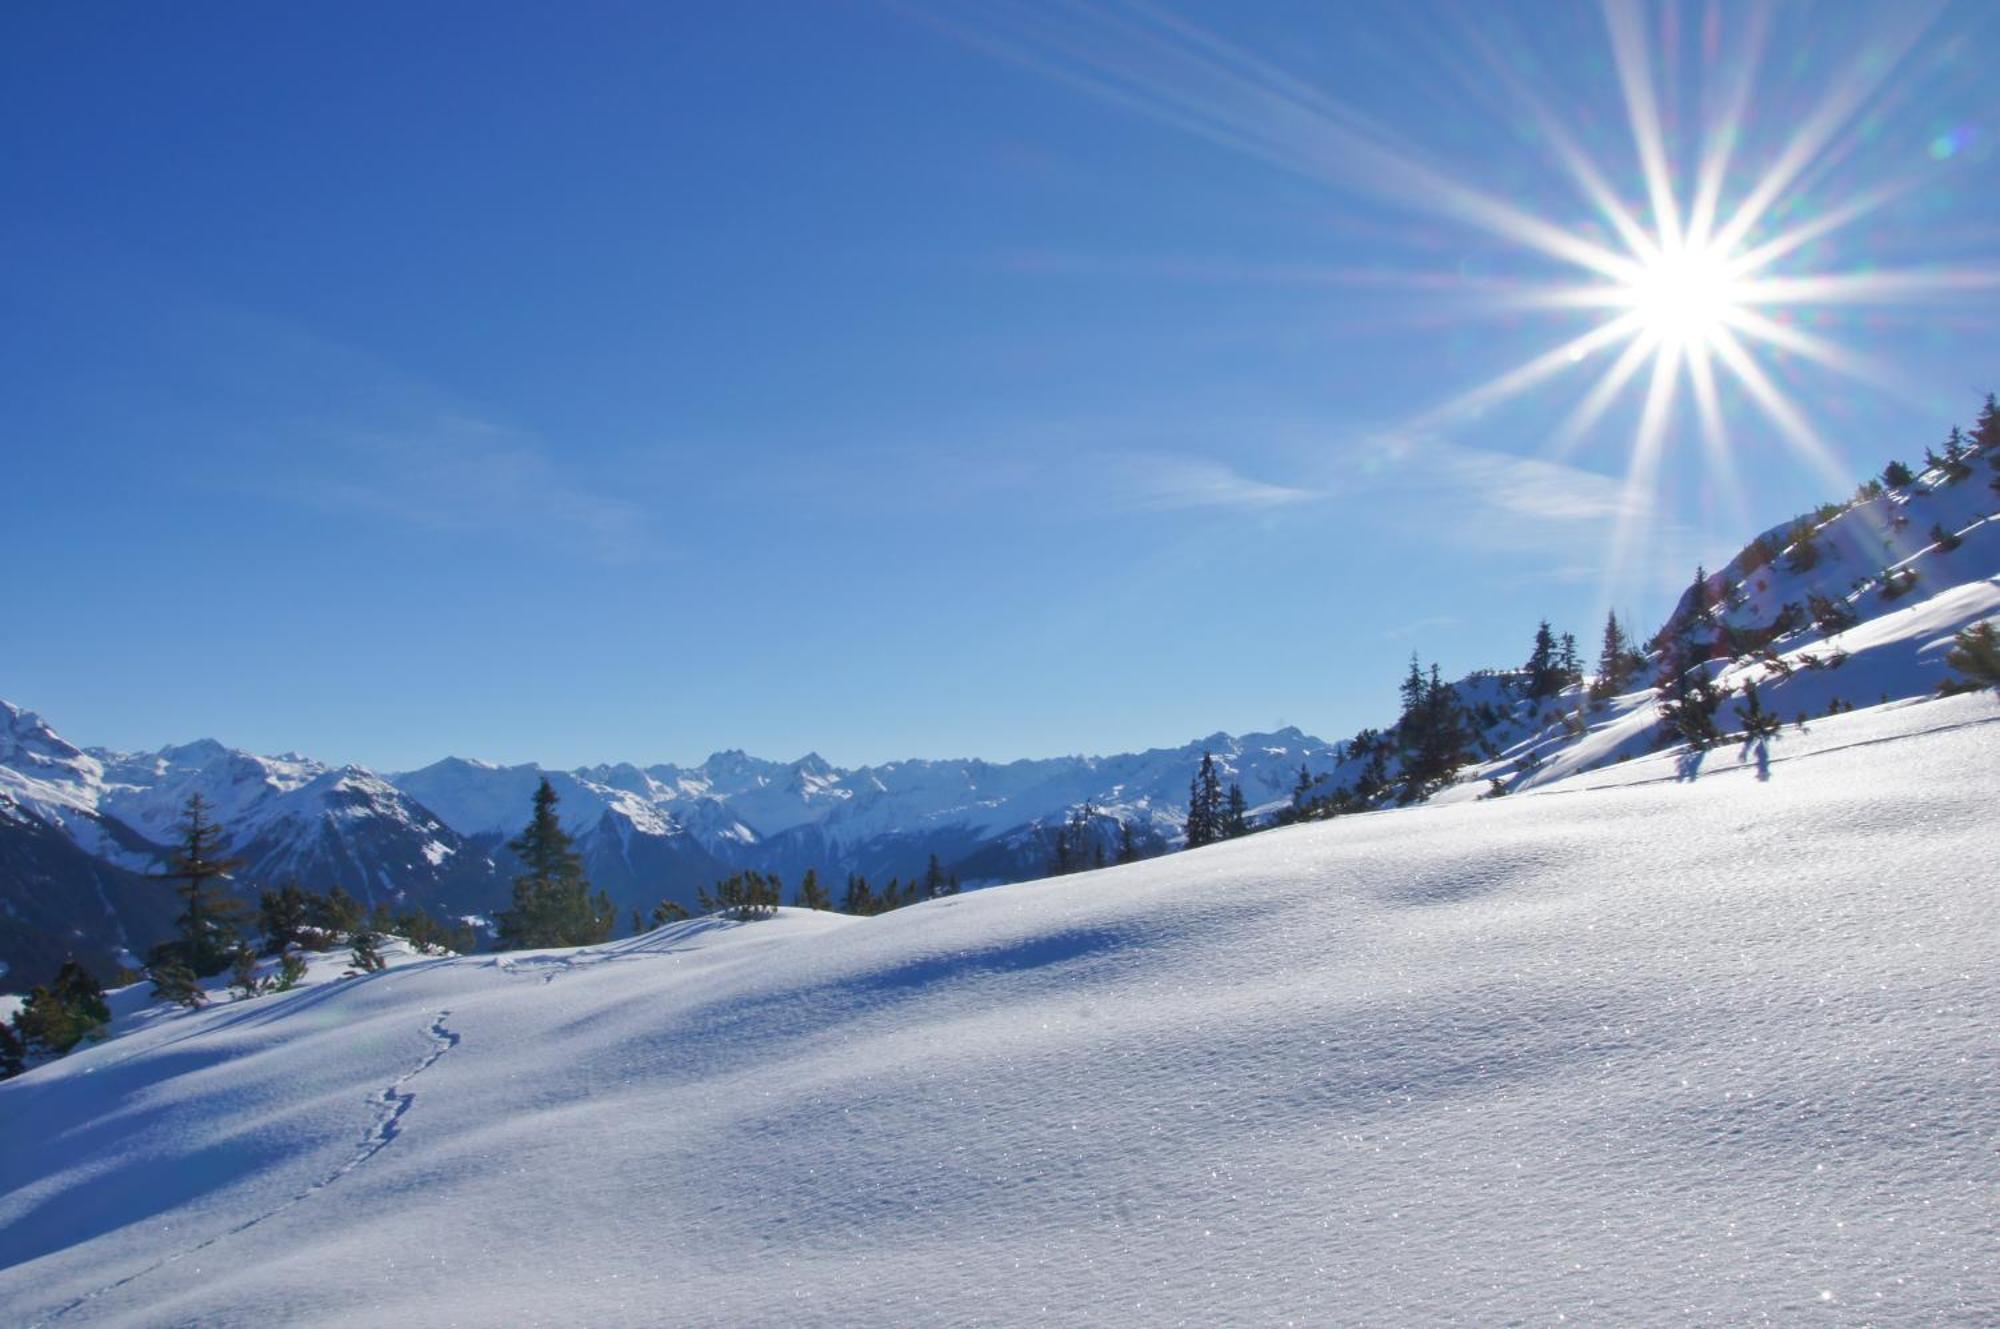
(1160, 483)
(455, 473)
(1483, 499)
(336, 427)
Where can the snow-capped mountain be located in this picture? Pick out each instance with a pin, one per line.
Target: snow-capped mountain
(436, 836)
(84, 833)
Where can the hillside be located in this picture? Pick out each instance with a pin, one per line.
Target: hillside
(1644, 1044)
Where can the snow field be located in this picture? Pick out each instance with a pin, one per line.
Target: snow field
(1715, 1045)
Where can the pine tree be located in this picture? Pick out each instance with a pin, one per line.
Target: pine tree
(1953, 462)
(291, 968)
(1974, 658)
(243, 974)
(1411, 693)
(1615, 661)
(1434, 740)
(281, 917)
(13, 1055)
(1082, 833)
(1757, 722)
(1896, 475)
(175, 982)
(858, 900)
(1946, 541)
(1543, 670)
(58, 1015)
(552, 901)
(1062, 861)
(812, 895)
(1986, 433)
(207, 926)
(1804, 553)
(1568, 662)
(335, 914)
(1302, 793)
(1235, 817)
(1204, 819)
(365, 951)
(1128, 847)
(668, 911)
(933, 878)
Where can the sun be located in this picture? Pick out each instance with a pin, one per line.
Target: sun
(1686, 299)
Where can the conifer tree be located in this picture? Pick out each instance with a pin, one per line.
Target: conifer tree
(1204, 818)
(858, 899)
(1082, 834)
(1568, 662)
(669, 911)
(282, 917)
(13, 1055)
(1235, 816)
(291, 968)
(1062, 861)
(933, 879)
(1615, 661)
(1302, 793)
(812, 895)
(58, 1015)
(1953, 462)
(1543, 671)
(1896, 475)
(207, 925)
(1974, 658)
(365, 952)
(335, 914)
(552, 901)
(1411, 692)
(1128, 847)
(243, 974)
(175, 982)
(1756, 721)
(1986, 429)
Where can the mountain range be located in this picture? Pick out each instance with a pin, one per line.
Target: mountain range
(84, 832)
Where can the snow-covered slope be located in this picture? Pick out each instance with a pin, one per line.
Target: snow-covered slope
(1715, 1045)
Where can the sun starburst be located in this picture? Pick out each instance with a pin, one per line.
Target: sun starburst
(1699, 283)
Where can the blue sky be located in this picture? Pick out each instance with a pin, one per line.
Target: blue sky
(598, 382)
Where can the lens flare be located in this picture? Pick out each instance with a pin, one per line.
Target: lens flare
(1685, 296)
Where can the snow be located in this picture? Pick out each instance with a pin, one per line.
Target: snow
(1666, 1041)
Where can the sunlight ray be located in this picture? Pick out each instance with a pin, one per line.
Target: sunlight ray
(1879, 287)
(1719, 138)
(1634, 505)
(1583, 171)
(1756, 260)
(1715, 434)
(1778, 408)
(1527, 375)
(1822, 351)
(1174, 73)
(1586, 413)
(1850, 92)
(1635, 77)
